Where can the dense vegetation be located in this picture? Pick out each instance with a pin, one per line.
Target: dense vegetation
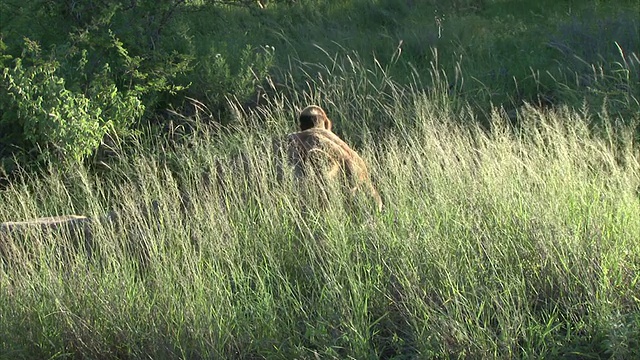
(503, 136)
(81, 73)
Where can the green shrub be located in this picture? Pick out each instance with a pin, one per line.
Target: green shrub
(94, 74)
(112, 67)
(42, 112)
(220, 78)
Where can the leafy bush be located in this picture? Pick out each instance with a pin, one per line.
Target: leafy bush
(95, 73)
(41, 111)
(221, 78)
(113, 67)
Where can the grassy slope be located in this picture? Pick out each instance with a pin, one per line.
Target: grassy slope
(519, 243)
(502, 53)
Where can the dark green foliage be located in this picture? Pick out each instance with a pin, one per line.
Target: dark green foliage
(40, 111)
(230, 75)
(82, 70)
(117, 58)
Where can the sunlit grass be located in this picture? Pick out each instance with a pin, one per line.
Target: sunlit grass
(513, 242)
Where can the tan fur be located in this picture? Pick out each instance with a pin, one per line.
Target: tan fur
(316, 141)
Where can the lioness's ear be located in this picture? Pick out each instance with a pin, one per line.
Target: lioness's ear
(328, 124)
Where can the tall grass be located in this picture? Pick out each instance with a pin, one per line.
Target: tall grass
(510, 243)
